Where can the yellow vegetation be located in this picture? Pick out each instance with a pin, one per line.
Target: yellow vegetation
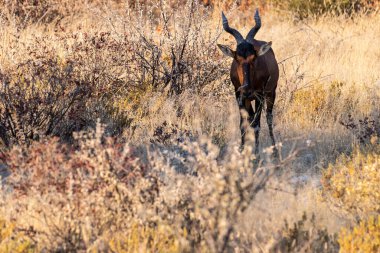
(353, 183)
(158, 238)
(364, 237)
(12, 242)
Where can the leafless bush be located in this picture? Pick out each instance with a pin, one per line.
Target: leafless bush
(183, 56)
(363, 129)
(31, 108)
(98, 73)
(305, 236)
(90, 188)
(22, 13)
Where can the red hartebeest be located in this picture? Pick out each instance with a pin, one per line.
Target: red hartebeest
(254, 73)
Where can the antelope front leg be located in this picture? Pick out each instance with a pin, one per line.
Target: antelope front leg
(244, 106)
(239, 101)
(256, 121)
(242, 129)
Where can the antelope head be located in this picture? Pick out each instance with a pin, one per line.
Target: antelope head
(246, 53)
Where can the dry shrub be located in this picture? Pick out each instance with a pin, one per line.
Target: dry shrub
(22, 13)
(56, 92)
(160, 238)
(364, 237)
(69, 79)
(12, 241)
(76, 199)
(66, 199)
(305, 236)
(306, 8)
(366, 130)
(37, 97)
(60, 163)
(183, 56)
(171, 64)
(352, 183)
(319, 105)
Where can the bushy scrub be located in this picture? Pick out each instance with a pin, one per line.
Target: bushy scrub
(305, 8)
(366, 130)
(160, 238)
(51, 92)
(364, 237)
(351, 186)
(68, 197)
(319, 105)
(37, 98)
(69, 79)
(13, 241)
(352, 183)
(22, 13)
(305, 236)
(76, 197)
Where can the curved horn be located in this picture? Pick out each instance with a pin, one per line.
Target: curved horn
(255, 29)
(235, 33)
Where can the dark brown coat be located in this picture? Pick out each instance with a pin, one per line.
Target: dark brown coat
(254, 74)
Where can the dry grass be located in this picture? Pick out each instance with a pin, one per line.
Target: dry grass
(165, 164)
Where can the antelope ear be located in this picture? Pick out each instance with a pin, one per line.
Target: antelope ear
(227, 50)
(264, 48)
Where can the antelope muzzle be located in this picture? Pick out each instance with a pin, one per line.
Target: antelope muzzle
(243, 90)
